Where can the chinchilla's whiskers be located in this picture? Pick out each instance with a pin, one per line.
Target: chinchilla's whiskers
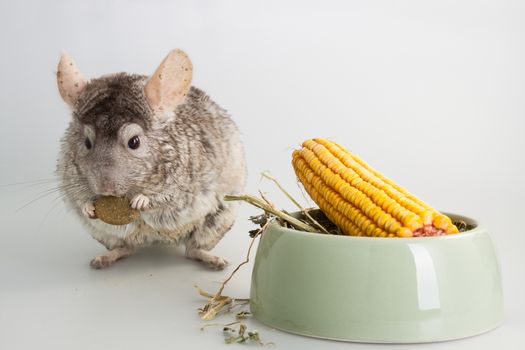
(26, 185)
(76, 191)
(79, 182)
(55, 204)
(30, 182)
(61, 188)
(44, 195)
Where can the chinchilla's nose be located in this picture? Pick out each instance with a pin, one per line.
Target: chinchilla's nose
(108, 188)
(107, 184)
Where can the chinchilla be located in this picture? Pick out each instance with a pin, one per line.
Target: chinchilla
(161, 143)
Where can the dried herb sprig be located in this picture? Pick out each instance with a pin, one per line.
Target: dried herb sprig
(217, 302)
(260, 203)
(242, 315)
(305, 212)
(237, 332)
(463, 226)
(242, 336)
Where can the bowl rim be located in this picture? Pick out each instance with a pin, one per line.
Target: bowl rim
(475, 231)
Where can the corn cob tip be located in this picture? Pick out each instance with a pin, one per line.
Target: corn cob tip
(405, 232)
(452, 230)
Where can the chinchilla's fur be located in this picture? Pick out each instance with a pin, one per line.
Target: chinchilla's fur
(188, 159)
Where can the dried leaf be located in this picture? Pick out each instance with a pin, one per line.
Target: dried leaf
(254, 336)
(463, 226)
(243, 315)
(260, 219)
(242, 329)
(230, 339)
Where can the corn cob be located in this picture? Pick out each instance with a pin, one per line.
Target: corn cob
(361, 200)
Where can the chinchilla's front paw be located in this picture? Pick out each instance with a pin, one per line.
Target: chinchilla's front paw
(88, 210)
(140, 202)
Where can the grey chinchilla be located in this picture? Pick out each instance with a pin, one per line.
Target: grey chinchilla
(158, 141)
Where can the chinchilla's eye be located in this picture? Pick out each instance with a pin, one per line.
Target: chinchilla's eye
(88, 144)
(134, 142)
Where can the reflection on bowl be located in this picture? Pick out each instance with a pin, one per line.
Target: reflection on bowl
(367, 289)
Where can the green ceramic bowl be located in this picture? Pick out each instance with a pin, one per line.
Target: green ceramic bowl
(385, 290)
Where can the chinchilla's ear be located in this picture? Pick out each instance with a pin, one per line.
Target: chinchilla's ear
(169, 85)
(70, 81)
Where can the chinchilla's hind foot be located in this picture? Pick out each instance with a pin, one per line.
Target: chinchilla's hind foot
(209, 259)
(106, 260)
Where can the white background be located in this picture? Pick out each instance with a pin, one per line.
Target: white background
(429, 92)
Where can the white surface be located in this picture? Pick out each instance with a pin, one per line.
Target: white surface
(431, 93)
